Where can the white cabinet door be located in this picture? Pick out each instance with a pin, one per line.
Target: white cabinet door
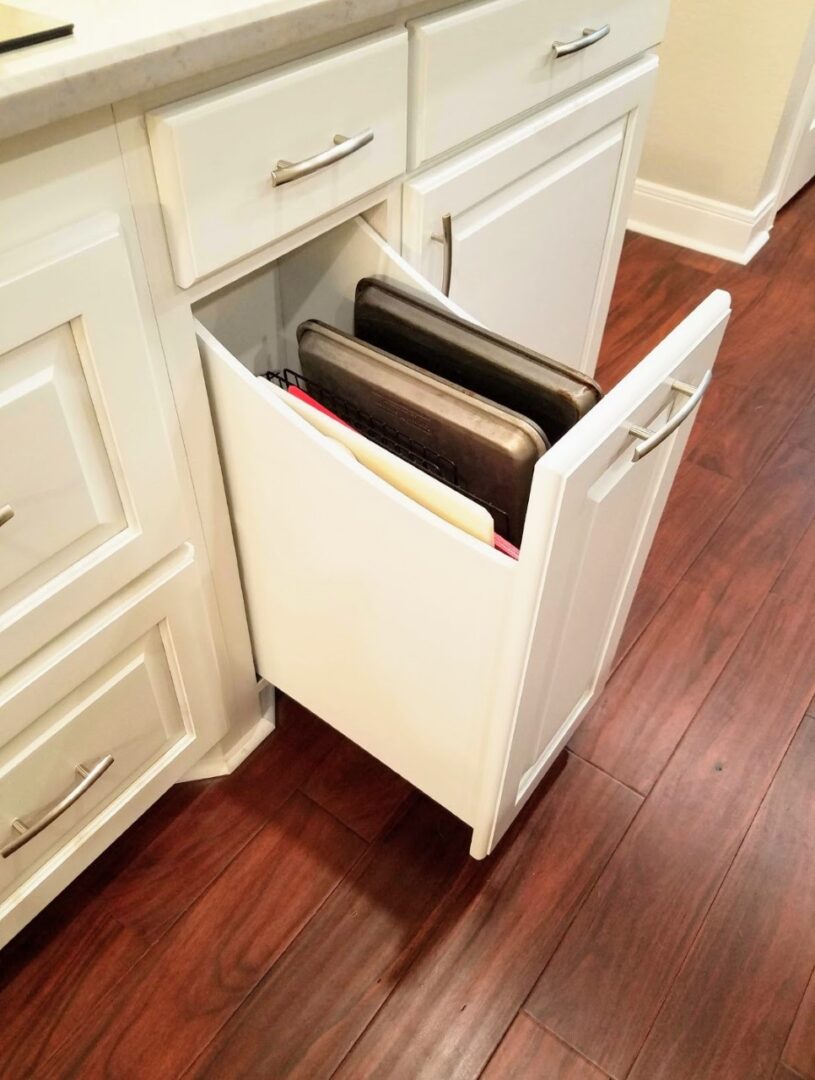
(537, 218)
(89, 496)
(592, 516)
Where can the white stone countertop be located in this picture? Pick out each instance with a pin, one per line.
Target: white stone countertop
(121, 48)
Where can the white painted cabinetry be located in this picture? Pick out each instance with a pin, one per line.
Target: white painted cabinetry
(461, 669)
(88, 472)
(537, 216)
(129, 696)
(109, 684)
(123, 622)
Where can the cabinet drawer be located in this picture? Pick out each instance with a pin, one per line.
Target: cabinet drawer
(461, 669)
(217, 156)
(98, 729)
(481, 64)
(87, 502)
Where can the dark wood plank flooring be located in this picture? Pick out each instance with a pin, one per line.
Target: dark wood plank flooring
(650, 915)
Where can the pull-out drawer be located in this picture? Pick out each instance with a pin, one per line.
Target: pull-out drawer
(239, 167)
(483, 63)
(87, 502)
(463, 670)
(94, 729)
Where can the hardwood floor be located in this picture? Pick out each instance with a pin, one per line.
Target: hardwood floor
(650, 916)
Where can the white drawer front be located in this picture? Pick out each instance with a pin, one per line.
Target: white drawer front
(214, 155)
(463, 670)
(135, 687)
(90, 501)
(481, 64)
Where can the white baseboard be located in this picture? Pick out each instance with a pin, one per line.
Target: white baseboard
(224, 758)
(702, 224)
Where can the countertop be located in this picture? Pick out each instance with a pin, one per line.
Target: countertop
(121, 48)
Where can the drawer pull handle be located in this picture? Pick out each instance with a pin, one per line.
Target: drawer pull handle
(652, 439)
(588, 37)
(6, 514)
(344, 145)
(28, 830)
(446, 239)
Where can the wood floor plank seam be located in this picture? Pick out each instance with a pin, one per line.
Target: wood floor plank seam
(693, 939)
(456, 1049)
(738, 637)
(793, 1072)
(579, 906)
(156, 941)
(48, 1061)
(801, 1003)
(576, 753)
(403, 811)
(554, 999)
(559, 1038)
(427, 934)
(772, 448)
(84, 1059)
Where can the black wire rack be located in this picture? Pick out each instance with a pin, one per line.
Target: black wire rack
(403, 446)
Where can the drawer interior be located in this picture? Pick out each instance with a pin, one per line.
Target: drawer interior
(256, 318)
(367, 608)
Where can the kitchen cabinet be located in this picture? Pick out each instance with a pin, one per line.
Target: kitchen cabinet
(109, 682)
(95, 727)
(176, 540)
(536, 218)
(461, 669)
(91, 499)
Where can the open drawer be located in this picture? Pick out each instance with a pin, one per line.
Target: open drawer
(461, 669)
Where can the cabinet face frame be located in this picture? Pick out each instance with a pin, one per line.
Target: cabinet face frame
(460, 184)
(80, 278)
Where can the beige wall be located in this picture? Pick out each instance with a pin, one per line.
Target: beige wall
(721, 101)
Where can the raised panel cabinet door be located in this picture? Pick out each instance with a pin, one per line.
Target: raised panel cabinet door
(597, 498)
(537, 216)
(88, 487)
(94, 728)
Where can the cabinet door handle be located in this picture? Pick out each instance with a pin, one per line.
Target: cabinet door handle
(588, 37)
(446, 239)
(344, 145)
(6, 514)
(28, 830)
(652, 439)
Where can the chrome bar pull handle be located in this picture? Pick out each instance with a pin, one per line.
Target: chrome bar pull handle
(344, 145)
(652, 439)
(6, 514)
(588, 37)
(446, 239)
(27, 830)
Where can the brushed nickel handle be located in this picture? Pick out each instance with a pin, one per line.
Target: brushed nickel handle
(588, 37)
(28, 830)
(652, 439)
(6, 514)
(446, 239)
(344, 145)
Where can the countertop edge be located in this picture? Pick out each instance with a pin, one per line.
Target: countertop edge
(121, 71)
